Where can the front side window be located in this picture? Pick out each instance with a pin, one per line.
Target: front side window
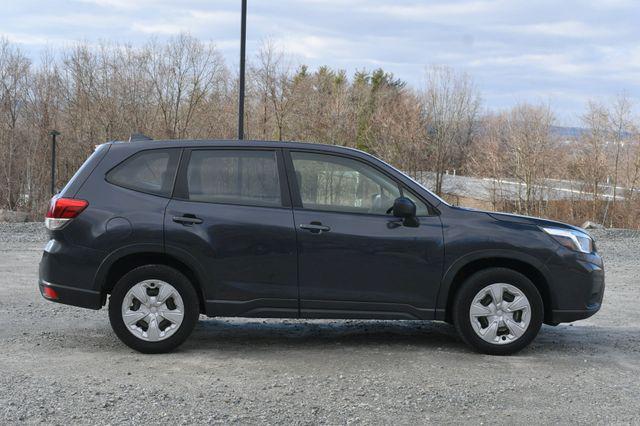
(149, 171)
(334, 183)
(234, 177)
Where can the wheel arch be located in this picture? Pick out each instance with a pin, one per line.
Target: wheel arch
(118, 263)
(469, 265)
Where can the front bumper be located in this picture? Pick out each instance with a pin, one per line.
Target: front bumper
(558, 315)
(582, 293)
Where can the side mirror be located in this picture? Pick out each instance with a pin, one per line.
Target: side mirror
(405, 209)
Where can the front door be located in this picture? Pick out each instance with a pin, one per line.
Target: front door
(231, 214)
(354, 258)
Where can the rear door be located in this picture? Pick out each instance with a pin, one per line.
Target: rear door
(355, 259)
(231, 213)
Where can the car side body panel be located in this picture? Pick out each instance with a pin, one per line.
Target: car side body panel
(574, 281)
(248, 255)
(367, 264)
(246, 258)
(116, 222)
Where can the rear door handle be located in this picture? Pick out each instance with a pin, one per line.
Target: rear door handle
(315, 228)
(187, 220)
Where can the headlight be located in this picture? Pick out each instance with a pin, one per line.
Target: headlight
(571, 239)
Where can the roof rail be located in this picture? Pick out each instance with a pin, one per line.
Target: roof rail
(139, 137)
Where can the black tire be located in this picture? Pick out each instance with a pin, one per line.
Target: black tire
(470, 289)
(179, 282)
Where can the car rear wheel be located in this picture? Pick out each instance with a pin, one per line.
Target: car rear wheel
(153, 309)
(498, 311)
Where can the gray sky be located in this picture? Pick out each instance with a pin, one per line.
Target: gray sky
(560, 52)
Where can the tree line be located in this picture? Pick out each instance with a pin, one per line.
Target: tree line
(182, 88)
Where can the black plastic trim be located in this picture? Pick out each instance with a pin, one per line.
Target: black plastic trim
(73, 296)
(563, 315)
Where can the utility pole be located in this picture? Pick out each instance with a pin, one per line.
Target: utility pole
(53, 134)
(243, 42)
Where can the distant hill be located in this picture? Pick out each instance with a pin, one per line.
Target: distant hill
(562, 132)
(567, 132)
(575, 132)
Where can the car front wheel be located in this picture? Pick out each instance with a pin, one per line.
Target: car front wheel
(153, 309)
(498, 311)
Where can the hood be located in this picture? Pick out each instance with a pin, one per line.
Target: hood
(516, 218)
(508, 217)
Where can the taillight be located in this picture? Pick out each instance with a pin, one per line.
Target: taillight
(62, 210)
(49, 293)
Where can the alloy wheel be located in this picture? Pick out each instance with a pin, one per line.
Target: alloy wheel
(152, 310)
(500, 313)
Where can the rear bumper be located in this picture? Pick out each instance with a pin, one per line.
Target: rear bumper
(69, 270)
(72, 296)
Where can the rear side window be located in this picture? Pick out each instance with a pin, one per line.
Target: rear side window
(84, 171)
(234, 177)
(149, 171)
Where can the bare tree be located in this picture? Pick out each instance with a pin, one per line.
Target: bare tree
(530, 148)
(182, 72)
(43, 112)
(620, 123)
(274, 84)
(591, 164)
(450, 105)
(14, 80)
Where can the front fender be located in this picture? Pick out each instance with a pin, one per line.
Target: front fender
(499, 255)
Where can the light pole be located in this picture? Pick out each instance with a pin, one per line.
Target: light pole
(243, 42)
(53, 134)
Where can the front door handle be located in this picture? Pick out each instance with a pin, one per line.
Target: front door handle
(315, 227)
(187, 219)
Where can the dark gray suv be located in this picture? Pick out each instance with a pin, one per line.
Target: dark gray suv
(168, 230)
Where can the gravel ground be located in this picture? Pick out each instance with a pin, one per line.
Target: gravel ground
(63, 365)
